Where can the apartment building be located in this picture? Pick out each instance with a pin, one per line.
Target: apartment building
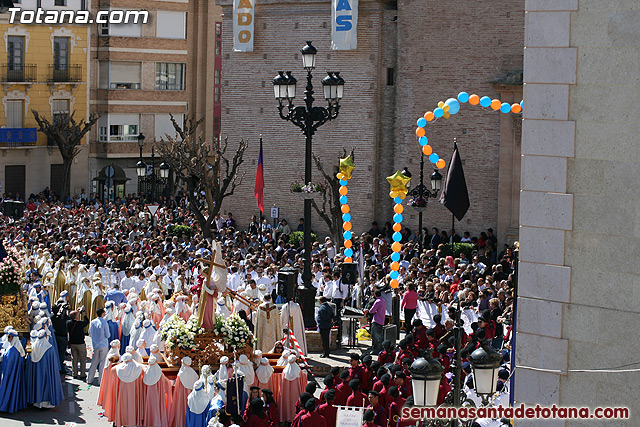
(143, 73)
(45, 69)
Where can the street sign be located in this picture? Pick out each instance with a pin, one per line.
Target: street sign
(153, 209)
(275, 212)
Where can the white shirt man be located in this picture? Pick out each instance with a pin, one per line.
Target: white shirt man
(161, 269)
(170, 278)
(233, 279)
(340, 290)
(127, 282)
(329, 289)
(264, 280)
(252, 291)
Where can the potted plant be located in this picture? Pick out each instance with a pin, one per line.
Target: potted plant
(307, 191)
(419, 204)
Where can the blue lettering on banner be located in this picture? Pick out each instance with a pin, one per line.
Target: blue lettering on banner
(343, 23)
(343, 5)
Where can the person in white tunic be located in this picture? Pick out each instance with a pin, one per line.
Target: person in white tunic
(245, 365)
(291, 319)
(267, 325)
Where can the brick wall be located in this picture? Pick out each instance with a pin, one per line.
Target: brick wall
(437, 49)
(445, 48)
(249, 108)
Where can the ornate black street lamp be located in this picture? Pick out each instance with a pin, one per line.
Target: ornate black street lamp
(485, 364)
(308, 118)
(141, 170)
(421, 195)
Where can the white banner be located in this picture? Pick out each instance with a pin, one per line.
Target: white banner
(243, 14)
(344, 24)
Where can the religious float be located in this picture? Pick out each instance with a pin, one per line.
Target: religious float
(206, 337)
(230, 337)
(13, 302)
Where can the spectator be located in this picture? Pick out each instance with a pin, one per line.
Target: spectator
(77, 344)
(99, 333)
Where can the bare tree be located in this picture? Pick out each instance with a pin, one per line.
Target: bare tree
(330, 211)
(67, 135)
(202, 170)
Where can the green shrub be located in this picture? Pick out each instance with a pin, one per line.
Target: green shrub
(180, 230)
(297, 236)
(467, 248)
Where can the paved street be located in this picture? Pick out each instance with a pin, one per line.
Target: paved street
(80, 407)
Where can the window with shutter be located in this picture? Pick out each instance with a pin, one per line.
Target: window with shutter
(15, 113)
(60, 109)
(125, 75)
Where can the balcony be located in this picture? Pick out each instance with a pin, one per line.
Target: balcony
(18, 137)
(19, 73)
(65, 73)
(119, 149)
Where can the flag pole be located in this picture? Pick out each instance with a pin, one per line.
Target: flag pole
(453, 217)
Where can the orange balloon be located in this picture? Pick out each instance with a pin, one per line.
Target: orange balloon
(440, 164)
(348, 259)
(420, 132)
(398, 208)
(496, 104)
(394, 283)
(345, 208)
(474, 99)
(395, 266)
(397, 227)
(396, 247)
(343, 190)
(428, 116)
(348, 244)
(516, 108)
(427, 149)
(346, 226)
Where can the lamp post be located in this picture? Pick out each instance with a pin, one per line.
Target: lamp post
(421, 195)
(485, 364)
(426, 374)
(308, 118)
(141, 169)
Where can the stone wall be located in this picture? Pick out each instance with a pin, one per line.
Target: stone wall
(579, 223)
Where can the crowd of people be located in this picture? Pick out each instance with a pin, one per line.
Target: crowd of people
(108, 268)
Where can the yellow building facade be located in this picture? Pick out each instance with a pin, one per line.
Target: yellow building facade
(44, 68)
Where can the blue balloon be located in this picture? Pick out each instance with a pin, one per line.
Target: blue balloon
(433, 158)
(346, 217)
(343, 182)
(343, 200)
(521, 102)
(397, 218)
(396, 236)
(463, 97)
(485, 101)
(423, 141)
(505, 108)
(397, 200)
(422, 122)
(346, 235)
(454, 105)
(395, 256)
(438, 112)
(348, 252)
(394, 275)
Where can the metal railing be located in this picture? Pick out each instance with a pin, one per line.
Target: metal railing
(19, 73)
(65, 73)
